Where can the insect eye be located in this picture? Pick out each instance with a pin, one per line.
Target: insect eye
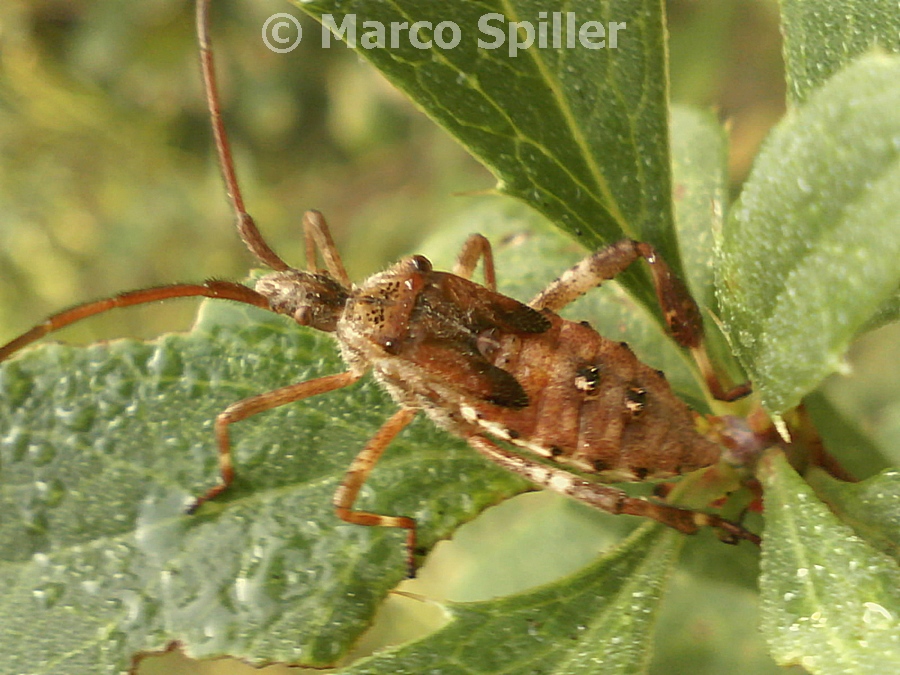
(421, 263)
(303, 316)
(391, 345)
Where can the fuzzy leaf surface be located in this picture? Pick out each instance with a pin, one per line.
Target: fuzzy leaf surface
(823, 36)
(871, 507)
(830, 599)
(600, 618)
(579, 134)
(810, 250)
(103, 447)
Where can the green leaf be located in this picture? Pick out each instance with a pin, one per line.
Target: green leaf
(810, 250)
(599, 619)
(823, 36)
(700, 174)
(830, 601)
(579, 134)
(870, 507)
(889, 312)
(103, 447)
(699, 165)
(844, 436)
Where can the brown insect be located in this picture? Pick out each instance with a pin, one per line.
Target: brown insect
(483, 366)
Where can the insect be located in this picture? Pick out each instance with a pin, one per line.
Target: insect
(490, 369)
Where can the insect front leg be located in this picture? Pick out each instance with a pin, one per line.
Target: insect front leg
(347, 492)
(608, 498)
(257, 404)
(318, 237)
(681, 312)
(476, 247)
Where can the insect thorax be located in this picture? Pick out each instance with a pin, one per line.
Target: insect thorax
(561, 391)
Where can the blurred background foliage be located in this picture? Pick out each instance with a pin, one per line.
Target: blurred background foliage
(108, 182)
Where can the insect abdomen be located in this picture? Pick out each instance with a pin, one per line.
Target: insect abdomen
(594, 406)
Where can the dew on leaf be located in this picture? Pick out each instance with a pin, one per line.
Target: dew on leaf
(50, 493)
(41, 454)
(166, 363)
(17, 440)
(242, 589)
(876, 614)
(47, 595)
(90, 586)
(14, 388)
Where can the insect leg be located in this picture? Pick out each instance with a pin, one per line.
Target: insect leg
(347, 492)
(685, 323)
(318, 237)
(475, 247)
(605, 497)
(681, 312)
(257, 404)
(226, 290)
(713, 381)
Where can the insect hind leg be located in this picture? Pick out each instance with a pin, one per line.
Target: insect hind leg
(681, 312)
(608, 498)
(679, 309)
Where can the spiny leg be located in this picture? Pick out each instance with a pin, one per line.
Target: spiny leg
(605, 497)
(476, 247)
(225, 290)
(681, 312)
(257, 404)
(686, 324)
(347, 492)
(318, 236)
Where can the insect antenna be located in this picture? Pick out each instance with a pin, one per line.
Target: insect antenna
(226, 290)
(246, 227)
(245, 224)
